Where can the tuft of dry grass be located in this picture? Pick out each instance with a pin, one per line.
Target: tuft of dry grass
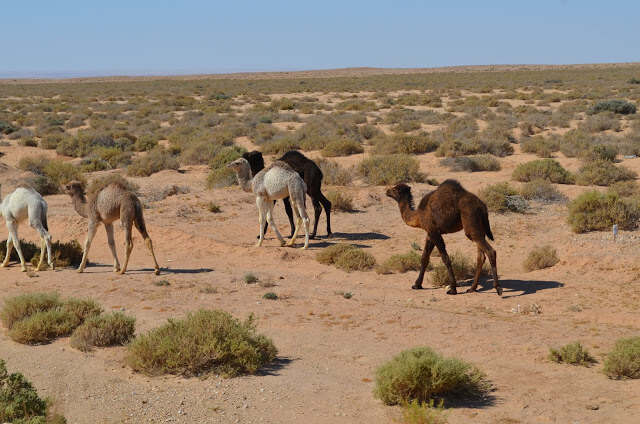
(540, 258)
(400, 263)
(111, 329)
(346, 257)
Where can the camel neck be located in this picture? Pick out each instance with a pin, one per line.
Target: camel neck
(80, 204)
(244, 179)
(410, 216)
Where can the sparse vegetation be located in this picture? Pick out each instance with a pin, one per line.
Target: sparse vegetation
(603, 173)
(616, 106)
(415, 412)
(390, 169)
(203, 342)
(421, 374)
(624, 359)
(340, 201)
(573, 354)
(540, 258)
(400, 263)
(346, 257)
(471, 163)
(111, 329)
(546, 169)
(595, 211)
(463, 268)
(502, 197)
(542, 191)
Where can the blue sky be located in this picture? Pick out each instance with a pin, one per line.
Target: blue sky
(195, 36)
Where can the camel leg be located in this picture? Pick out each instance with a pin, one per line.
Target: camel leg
(289, 211)
(46, 242)
(9, 248)
(317, 210)
(479, 264)
(491, 254)
(127, 224)
(112, 245)
(13, 230)
(294, 236)
(439, 242)
(87, 244)
(424, 263)
(326, 204)
(262, 215)
(42, 247)
(149, 246)
(272, 223)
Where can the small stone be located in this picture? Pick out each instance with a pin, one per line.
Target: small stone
(593, 407)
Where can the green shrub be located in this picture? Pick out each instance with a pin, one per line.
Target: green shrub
(205, 341)
(463, 268)
(603, 173)
(156, 160)
(111, 329)
(541, 146)
(213, 207)
(340, 201)
(342, 147)
(624, 360)
(400, 263)
(546, 169)
(346, 257)
(29, 250)
(250, 278)
(220, 175)
(20, 403)
(270, 296)
(616, 106)
(541, 257)
(573, 354)
(409, 144)
(415, 412)
(625, 188)
(390, 169)
(333, 173)
(22, 306)
(471, 163)
(50, 173)
(542, 191)
(502, 197)
(145, 143)
(421, 374)
(594, 211)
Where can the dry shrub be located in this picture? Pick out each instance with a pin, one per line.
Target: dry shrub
(333, 173)
(542, 191)
(156, 160)
(340, 201)
(540, 258)
(624, 360)
(400, 263)
(390, 169)
(111, 329)
(342, 147)
(502, 197)
(546, 169)
(471, 163)
(594, 211)
(29, 250)
(220, 175)
(204, 341)
(50, 173)
(573, 354)
(64, 254)
(346, 257)
(603, 173)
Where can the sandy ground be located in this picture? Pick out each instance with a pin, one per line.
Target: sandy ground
(329, 346)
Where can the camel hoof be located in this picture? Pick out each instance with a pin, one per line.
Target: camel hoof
(258, 244)
(452, 291)
(23, 270)
(79, 271)
(157, 271)
(471, 291)
(416, 287)
(116, 269)
(120, 272)
(499, 290)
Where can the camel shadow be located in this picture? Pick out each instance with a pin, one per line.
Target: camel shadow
(515, 288)
(323, 244)
(183, 270)
(276, 365)
(360, 236)
(484, 399)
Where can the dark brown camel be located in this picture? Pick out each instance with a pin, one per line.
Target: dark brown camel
(448, 209)
(312, 176)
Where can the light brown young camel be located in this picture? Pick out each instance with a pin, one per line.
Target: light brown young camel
(276, 181)
(448, 209)
(108, 204)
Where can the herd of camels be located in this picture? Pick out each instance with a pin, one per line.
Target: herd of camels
(448, 209)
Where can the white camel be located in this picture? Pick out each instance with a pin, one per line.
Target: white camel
(276, 181)
(25, 203)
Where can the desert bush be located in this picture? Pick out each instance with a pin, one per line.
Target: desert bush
(576, 142)
(390, 169)
(471, 163)
(280, 145)
(421, 374)
(342, 147)
(594, 211)
(7, 127)
(603, 173)
(270, 296)
(29, 250)
(410, 144)
(220, 175)
(333, 173)
(502, 197)
(204, 341)
(145, 143)
(28, 142)
(156, 160)
(573, 354)
(20, 402)
(346, 257)
(340, 200)
(111, 329)
(50, 173)
(540, 146)
(542, 191)
(540, 258)
(43, 317)
(616, 106)
(546, 169)
(64, 254)
(624, 359)
(415, 412)
(601, 122)
(625, 188)
(463, 268)
(400, 263)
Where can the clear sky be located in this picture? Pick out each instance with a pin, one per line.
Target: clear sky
(159, 37)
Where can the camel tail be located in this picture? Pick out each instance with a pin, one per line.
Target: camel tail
(487, 227)
(138, 220)
(43, 219)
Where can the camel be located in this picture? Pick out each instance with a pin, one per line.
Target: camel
(25, 203)
(448, 209)
(106, 205)
(312, 176)
(276, 181)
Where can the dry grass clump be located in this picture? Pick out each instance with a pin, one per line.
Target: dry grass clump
(546, 169)
(542, 191)
(502, 197)
(421, 374)
(573, 354)
(111, 329)
(205, 341)
(156, 160)
(42, 317)
(50, 173)
(400, 263)
(333, 173)
(541, 146)
(603, 173)
(471, 163)
(410, 144)
(624, 359)
(625, 188)
(346, 257)
(390, 169)
(463, 268)
(64, 254)
(342, 147)
(340, 200)
(595, 211)
(220, 175)
(415, 412)
(540, 258)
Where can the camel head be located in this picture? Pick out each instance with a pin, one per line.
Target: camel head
(239, 165)
(256, 161)
(73, 187)
(400, 192)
